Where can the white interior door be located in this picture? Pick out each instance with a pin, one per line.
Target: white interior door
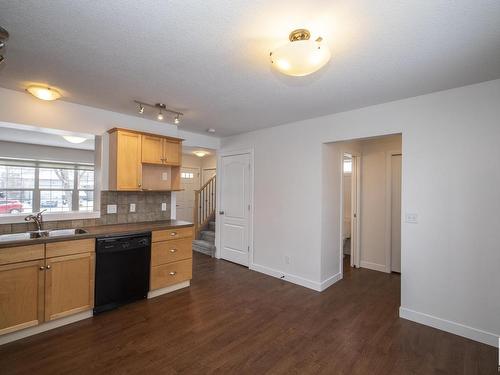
(190, 181)
(234, 208)
(355, 209)
(396, 213)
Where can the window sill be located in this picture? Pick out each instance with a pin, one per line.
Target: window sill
(51, 216)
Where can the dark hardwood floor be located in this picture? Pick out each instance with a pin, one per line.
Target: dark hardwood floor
(236, 321)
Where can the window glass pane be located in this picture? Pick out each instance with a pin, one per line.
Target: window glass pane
(85, 179)
(55, 200)
(53, 178)
(86, 199)
(348, 166)
(17, 177)
(15, 202)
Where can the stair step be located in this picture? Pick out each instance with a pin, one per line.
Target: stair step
(208, 235)
(204, 247)
(211, 226)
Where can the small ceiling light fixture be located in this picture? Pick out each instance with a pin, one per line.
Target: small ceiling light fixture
(74, 139)
(200, 153)
(211, 130)
(301, 56)
(44, 93)
(161, 109)
(160, 115)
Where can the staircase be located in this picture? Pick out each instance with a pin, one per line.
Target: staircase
(204, 216)
(206, 243)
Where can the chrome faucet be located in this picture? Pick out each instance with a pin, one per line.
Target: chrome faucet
(37, 219)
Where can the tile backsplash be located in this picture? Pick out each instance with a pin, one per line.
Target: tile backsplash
(147, 208)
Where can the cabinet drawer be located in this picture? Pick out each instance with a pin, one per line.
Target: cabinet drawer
(58, 249)
(172, 234)
(171, 273)
(22, 253)
(171, 251)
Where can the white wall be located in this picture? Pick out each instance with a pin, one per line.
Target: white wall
(450, 258)
(21, 108)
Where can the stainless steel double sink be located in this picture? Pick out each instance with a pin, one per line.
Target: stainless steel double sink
(41, 234)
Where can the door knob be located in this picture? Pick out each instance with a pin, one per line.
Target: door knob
(221, 212)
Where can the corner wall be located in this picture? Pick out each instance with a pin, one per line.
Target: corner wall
(450, 258)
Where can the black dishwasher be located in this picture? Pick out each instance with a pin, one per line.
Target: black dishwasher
(122, 270)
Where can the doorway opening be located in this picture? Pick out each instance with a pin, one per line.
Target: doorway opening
(364, 176)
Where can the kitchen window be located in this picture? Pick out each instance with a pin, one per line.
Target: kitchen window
(31, 186)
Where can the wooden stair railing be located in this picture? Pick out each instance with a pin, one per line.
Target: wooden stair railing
(204, 205)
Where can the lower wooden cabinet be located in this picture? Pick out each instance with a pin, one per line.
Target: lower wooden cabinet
(21, 295)
(69, 285)
(35, 289)
(171, 273)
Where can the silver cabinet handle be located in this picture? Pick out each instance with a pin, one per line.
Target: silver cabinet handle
(173, 250)
(48, 266)
(173, 273)
(173, 234)
(42, 268)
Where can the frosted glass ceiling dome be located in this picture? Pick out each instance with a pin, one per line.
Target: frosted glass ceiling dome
(301, 56)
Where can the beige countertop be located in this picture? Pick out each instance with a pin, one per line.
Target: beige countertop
(101, 231)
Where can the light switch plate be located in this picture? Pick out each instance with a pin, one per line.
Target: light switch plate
(163, 206)
(111, 208)
(132, 207)
(411, 218)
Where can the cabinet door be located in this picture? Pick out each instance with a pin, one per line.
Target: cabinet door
(69, 285)
(128, 159)
(172, 152)
(152, 149)
(21, 295)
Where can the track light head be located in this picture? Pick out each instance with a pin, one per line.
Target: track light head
(141, 109)
(176, 120)
(160, 116)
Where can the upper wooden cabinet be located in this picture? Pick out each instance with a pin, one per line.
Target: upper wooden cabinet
(152, 149)
(142, 161)
(160, 150)
(125, 167)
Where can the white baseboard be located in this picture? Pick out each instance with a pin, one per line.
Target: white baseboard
(450, 326)
(373, 266)
(168, 289)
(314, 285)
(330, 281)
(30, 331)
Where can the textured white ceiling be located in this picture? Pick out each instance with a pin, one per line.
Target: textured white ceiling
(209, 59)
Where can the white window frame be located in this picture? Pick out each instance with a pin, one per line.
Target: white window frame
(53, 216)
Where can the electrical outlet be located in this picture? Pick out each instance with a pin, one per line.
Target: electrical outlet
(111, 208)
(288, 260)
(132, 207)
(163, 206)
(411, 218)
(164, 176)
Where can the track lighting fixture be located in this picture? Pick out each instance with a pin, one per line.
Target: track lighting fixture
(4, 35)
(162, 108)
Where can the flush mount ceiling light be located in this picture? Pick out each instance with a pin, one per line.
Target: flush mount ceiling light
(74, 139)
(200, 153)
(301, 56)
(161, 108)
(44, 93)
